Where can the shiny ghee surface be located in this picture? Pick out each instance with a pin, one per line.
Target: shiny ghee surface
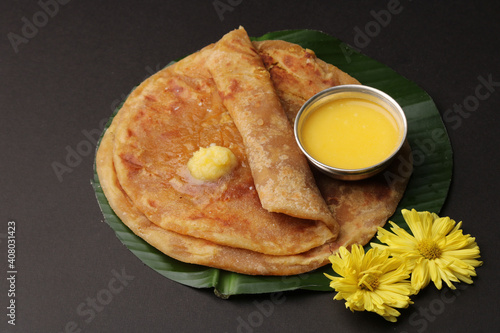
(350, 133)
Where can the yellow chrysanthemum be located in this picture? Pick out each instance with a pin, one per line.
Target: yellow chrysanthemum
(437, 251)
(372, 281)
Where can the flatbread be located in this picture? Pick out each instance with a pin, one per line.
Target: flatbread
(198, 251)
(141, 164)
(170, 117)
(280, 171)
(191, 249)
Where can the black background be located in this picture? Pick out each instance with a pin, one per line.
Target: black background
(61, 79)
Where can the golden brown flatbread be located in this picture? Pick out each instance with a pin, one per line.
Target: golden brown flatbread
(191, 249)
(165, 121)
(280, 171)
(198, 251)
(141, 164)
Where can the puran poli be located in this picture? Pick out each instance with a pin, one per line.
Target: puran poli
(198, 251)
(191, 249)
(280, 171)
(167, 119)
(185, 80)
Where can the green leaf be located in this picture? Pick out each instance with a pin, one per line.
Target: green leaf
(427, 189)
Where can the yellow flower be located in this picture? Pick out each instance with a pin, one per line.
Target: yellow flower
(437, 251)
(372, 281)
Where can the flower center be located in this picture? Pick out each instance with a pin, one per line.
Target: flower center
(368, 282)
(429, 249)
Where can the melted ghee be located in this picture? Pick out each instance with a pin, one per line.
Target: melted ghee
(211, 163)
(350, 133)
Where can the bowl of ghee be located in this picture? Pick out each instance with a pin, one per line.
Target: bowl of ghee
(350, 132)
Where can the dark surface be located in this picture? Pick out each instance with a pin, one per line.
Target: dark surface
(68, 75)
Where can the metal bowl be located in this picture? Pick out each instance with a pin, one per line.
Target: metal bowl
(352, 91)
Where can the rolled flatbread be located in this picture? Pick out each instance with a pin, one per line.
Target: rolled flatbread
(282, 176)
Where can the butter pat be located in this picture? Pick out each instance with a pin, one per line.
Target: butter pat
(211, 163)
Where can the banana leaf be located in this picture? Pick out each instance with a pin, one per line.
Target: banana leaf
(427, 189)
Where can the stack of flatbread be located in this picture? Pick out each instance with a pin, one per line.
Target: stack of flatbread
(272, 214)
